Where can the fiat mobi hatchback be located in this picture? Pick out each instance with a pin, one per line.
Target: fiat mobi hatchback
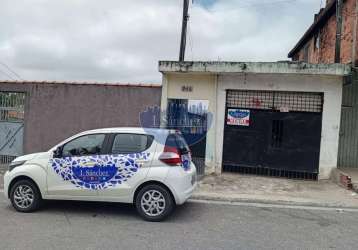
(150, 168)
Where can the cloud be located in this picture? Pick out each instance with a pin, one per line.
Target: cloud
(123, 41)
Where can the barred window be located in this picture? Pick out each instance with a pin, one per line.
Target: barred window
(271, 100)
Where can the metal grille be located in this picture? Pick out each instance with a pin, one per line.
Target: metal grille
(271, 100)
(271, 172)
(12, 106)
(250, 99)
(200, 166)
(6, 159)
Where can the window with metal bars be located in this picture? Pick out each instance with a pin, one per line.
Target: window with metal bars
(12, 105)
(274, 100)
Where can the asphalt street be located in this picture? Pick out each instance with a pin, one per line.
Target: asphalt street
(83, 225)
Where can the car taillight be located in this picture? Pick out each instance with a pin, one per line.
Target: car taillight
(171, 156)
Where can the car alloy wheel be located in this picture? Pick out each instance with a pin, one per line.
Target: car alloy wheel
(23, 196)
(153, 203)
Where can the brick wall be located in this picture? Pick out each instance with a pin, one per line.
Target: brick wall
(325, 51)
(349, 17)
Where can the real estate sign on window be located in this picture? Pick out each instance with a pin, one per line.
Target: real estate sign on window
(238, 117)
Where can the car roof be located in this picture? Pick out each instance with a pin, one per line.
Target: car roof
(139, 130)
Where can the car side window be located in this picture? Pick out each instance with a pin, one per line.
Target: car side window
(131, 143)
(84, 145)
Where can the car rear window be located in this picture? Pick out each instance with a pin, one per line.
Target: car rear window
(131, 143)
(177, 141)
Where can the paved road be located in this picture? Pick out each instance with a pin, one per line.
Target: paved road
(79, 225)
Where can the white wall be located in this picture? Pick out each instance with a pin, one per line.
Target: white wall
(331, 86)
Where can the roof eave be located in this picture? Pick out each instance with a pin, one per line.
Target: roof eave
(284, 67)
(324, 16)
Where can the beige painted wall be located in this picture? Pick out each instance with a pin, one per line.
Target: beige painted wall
(204, 88)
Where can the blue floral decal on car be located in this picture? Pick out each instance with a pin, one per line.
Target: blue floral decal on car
(98, 172)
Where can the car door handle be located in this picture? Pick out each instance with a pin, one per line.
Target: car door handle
(88, 164)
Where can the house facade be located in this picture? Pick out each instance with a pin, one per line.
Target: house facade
(277, 119)
(318, 44)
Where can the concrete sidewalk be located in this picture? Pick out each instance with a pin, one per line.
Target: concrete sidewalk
(246, 188)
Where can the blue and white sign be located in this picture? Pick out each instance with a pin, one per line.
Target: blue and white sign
(99, 171)
(186, 161)
(238, 117)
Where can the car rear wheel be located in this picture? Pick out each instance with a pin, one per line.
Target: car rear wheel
(25, 196)
(154, 203)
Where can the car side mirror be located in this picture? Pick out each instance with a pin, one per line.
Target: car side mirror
(57, 153)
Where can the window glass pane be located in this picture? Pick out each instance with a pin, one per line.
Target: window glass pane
(131, 143)
(177, 141)
(85, 145)
(183, 146)
(171, 141)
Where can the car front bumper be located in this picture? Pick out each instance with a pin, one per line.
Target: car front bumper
(6, 184)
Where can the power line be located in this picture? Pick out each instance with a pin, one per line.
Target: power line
(270, 2)
(255, 5)
(6, 74)
(11, 70)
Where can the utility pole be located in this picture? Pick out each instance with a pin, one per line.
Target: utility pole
(339, 10)
(184, 30)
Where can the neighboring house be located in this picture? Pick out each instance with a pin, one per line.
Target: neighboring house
(321, 44)
(318, 44)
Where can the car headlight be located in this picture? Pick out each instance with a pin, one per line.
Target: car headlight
(15, 164)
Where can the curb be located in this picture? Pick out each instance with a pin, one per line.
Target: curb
(207, 198)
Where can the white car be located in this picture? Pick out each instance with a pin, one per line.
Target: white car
(150, 168)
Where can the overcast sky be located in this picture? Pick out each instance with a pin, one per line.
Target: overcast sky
(123, 40)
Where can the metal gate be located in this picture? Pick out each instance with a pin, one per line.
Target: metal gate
(12, 107)
(273, 133)
(348, 139)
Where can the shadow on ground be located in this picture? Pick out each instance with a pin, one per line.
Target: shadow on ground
(107, 209)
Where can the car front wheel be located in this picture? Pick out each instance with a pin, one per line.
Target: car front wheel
(154, 203)
(25, 196)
